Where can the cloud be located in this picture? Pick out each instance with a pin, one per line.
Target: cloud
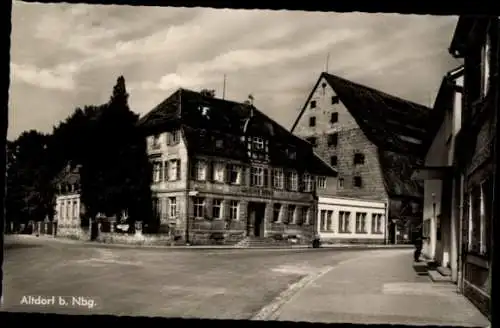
(42, 78)
(77, 52)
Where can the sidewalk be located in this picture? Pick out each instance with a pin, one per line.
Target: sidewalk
(380, 288)
(99, 244)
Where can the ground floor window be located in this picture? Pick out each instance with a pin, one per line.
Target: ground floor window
(276, 212)
(233, 210)
(376, 223)
(217, 209)
(326, 220)
(361, 223)
(198, 207)
(344, 222)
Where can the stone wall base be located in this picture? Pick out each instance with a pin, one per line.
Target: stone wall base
(364, 241)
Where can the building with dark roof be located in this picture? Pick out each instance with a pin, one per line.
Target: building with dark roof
(225, 168)
(374, 140)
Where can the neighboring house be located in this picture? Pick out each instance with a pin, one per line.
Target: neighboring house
(476, 41)
(68, 205)
(222, 166)
(373, 139)
(441, 214)
(348, 220)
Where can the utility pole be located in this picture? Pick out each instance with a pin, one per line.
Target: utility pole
(224, 88)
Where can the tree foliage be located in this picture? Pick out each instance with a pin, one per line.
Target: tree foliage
(29, 188)
(105, 141)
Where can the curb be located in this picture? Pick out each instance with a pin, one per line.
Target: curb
(201, 247)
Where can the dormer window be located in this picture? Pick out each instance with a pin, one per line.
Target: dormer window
(258, 143)
(205, 111)
(292, 154)
(219, 143)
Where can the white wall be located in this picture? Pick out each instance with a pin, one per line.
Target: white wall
(338, 204)
(68, 210)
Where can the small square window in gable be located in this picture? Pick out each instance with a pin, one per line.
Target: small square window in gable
(334, 117)
(312, 121)
(359, 158)
(335, 100)
(313, 104)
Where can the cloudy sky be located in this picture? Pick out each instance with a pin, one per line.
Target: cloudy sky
(65, 56)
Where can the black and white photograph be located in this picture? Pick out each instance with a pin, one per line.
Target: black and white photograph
(251, 164)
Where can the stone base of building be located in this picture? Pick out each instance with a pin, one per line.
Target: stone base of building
(480, 299)
(355, 241)
(73, 232)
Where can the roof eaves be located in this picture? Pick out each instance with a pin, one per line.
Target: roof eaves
(333, 170)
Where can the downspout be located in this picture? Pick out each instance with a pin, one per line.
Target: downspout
(188, 184)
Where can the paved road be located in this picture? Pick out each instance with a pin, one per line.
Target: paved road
(200, 283)
(325, 285)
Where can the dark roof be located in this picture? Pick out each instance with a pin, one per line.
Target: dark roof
(205, 118)
(397, 169)
(389, 122)
(69, 175)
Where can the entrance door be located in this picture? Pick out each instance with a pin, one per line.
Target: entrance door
(255, 223)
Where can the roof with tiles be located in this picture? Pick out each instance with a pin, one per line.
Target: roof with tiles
(204, 119)
(396, 126)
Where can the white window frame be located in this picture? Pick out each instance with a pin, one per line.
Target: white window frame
(157, 171)
(219, 171)
(258, 143)
(308, 182)
(217, 204)
(257, 176)
(278, 178)
(172, 207)
(199, 206)
(238, 170)
(234, 210)
(201, 170)
(294, 181)
(321, 182)
(361, 222)
(75, 209)
(345, 222)
(173, 167)
(376, 223)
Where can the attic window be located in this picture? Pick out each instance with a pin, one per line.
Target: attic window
(258, 143)
(335, 100)
(359, 159)
(323, 85)
(333, 161)
(334, 117)
(357, 181)
(312, 121)
(333, 139)
(219, 143)
(410, 139)
(313, 104)
(205, 111)
(291, 154)
(312, 141)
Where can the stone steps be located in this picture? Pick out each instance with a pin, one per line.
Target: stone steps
(436, 276)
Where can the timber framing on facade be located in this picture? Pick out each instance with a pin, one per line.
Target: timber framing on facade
(222, 167)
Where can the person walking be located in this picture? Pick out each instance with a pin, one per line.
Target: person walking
(418, 245)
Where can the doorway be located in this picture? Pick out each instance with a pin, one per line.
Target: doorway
(255, 220)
